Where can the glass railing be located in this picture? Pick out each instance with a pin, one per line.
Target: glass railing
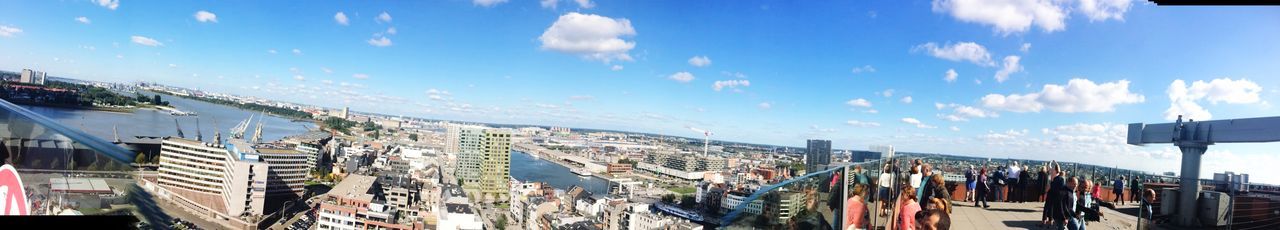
(65, 171)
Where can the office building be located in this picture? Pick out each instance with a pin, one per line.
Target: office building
(817, 155)
(29, 76)
(226, 182)
(288, 170)
(484, 162)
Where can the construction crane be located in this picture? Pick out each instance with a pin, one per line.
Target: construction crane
(1193, 138)
(706, 136)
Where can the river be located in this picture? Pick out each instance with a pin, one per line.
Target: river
(150, 122)
(527, 169)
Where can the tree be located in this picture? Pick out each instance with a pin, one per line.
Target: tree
(688, 202)
(413, 136)
(156, 100)
(502, 222)
(141, 159)
(669, 198)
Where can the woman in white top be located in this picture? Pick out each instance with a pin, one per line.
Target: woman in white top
(886, 185)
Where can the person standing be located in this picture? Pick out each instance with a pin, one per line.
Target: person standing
(886, 199)
(1013, 183)
(1024, 179)
(855, 209)
(909, 207)
(1068, 203)
(1053, 198)
(983, 188)
(1117, 187)
(1135, 189)
(970, 180)
(1042, 182)
(998, 179)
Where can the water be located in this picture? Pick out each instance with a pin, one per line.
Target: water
(527, 169)
(149, 122)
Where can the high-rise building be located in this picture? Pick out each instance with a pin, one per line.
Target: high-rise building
(484, 161)
(346, 113)
(288, 171)
(817, 155)
(31, 77)
(224, 180)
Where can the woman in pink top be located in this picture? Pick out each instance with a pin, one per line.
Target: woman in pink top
(855, 209)
(908, 209)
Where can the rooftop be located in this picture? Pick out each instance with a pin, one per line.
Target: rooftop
(354, 187)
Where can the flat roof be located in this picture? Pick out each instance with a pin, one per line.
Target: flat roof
(354, 187)
(79, 185)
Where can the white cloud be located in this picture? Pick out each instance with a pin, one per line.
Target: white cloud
(977, 81)
(360, 76)
(950, 76)
(271, 51)
(1007, 16)
(392, 30)
(326, 82)
(1010, 66)
(384, 17)
(341, 18)
(1183, 99)
(917, 123)
(953, 128)
(171, 65)
(906, 99)
(549, 4)
(1079, 95)
(1026, 47)
(700, 61)
(859, 103)
(487, 3)
(718, 85)
(886, 93)
(865, 68)
(109, 4)
(682, 77)
(963, 112)
(299, 78)
(590, 36)
(206, 16)
(1101, 10)
(297, 51)
(962, 51)
(864, 124)
(83, 20)
(585, 4)
(146, 41)
(326, 70)
(615, 67)
(582, 97)
(380, 41)
(8, 31)
(764, 105)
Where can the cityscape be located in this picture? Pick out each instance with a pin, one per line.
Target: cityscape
(672, 115)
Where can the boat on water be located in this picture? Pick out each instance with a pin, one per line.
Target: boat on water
(581, 172)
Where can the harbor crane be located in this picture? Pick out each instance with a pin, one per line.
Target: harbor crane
(1193, 138)
(706, 136)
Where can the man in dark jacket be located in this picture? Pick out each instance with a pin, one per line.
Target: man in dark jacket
(1053, 200)
(1024, 180)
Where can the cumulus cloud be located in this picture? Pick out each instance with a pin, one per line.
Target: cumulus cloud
(917, 123)
(1184, 100)
(360, 76)
(906, 99)
(1026, 47)
(718, 85)
(953, 128)
(863, 124)
(9, 31)
(380, 41)
(864, 69)
(1007, 16)
(1010, 66)
(962, 51)
(487, 3)
(700, 61)
(83, 20)
(950, 75)
(109, 4)
(590, 36)
(615, 67)
(1079, 95)
(341, 18)
(886, 93)
(297, 51)
(206, 16)
(963, 112)
(384, 17)
(549, 4)
(271, 51)
(146, 41)
(1101, 10)
(299, 78)
(682, 77)
(859, 103)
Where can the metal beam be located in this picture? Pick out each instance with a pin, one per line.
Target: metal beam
(1247, 130)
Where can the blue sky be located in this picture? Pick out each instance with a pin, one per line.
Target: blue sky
(1058, 79)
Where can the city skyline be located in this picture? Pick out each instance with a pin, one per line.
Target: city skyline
(1042, 81)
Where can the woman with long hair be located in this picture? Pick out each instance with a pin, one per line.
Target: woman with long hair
(907, 208)
(983, 189)
(855, 209)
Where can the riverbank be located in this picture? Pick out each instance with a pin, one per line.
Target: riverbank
(555, 156)
(77, 107)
